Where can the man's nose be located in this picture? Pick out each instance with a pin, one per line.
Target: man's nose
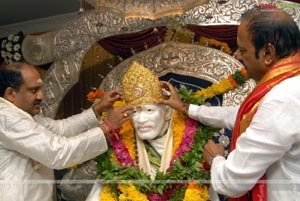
(238, 55)
(40, 95)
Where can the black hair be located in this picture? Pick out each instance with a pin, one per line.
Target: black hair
(10, 76)
(270, 26)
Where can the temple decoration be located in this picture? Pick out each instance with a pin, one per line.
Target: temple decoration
(179, 32)
(146, 9)
(66, 47)
(210, 42)
(11, 48)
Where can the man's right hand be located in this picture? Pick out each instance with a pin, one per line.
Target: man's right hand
(174, 100)
(107, 101)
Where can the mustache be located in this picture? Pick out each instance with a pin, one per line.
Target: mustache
(37, 102)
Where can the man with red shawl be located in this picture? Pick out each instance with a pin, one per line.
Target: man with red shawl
(264, 158)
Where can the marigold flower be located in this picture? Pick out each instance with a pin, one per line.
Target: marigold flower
(93, 95)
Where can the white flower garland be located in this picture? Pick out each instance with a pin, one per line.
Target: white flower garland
(11, 50)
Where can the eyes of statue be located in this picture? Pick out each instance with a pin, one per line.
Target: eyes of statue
(147, 109)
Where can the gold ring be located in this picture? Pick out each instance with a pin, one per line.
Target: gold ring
(125, 115)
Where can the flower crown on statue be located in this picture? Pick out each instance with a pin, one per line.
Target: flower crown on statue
(11, 48)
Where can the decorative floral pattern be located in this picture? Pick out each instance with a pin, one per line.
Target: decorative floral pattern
(11, 48)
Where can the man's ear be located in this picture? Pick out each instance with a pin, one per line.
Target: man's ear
(10, 94)
(269, 54)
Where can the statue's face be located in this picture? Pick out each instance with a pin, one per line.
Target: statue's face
(149, 120)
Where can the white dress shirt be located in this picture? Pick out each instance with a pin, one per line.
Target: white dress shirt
(271, 145)
(30, 150)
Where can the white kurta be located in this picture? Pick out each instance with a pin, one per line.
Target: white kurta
(271, 145)
(30, 150)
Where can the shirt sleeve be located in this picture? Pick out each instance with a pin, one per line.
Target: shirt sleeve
(35, 141)
(70, 126)
(214, 116)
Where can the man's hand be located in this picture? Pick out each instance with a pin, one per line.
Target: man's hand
(107, 101)
(119, 115)
(174, 100)
(212, 150)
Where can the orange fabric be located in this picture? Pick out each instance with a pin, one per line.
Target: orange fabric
(283, 69)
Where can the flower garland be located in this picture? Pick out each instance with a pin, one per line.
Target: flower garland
(94, 96)
(186, 164)
(215, 43)
(201, 96)
(186, 146)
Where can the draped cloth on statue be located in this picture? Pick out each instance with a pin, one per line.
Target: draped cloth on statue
(165, 159)
(284, 69)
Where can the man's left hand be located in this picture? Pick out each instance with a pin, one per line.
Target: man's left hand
(212, 150)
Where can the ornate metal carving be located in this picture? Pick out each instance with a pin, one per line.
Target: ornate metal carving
(184, 59)
(146, 9)
(78, 36)
(61, 76)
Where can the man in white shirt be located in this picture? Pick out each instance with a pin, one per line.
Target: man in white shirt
(264, 161)
(31, 146)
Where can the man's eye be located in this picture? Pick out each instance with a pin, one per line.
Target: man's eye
(149, 110)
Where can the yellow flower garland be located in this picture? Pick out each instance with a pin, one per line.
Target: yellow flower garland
(129, 192)
(196, 194)
(215, 89)
(178, 127)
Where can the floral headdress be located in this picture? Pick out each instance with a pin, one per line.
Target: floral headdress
(11, 48)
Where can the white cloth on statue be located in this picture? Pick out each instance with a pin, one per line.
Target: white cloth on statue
(270, 144)
(166, 156)
(29, 151)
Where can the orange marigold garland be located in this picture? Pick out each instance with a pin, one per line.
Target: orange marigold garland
(95, 94)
